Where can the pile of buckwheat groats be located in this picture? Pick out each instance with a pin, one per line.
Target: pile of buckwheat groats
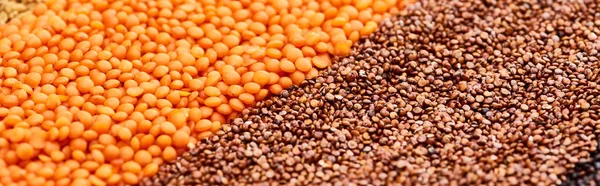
(584, 173)
(447, 92)
(10, 9)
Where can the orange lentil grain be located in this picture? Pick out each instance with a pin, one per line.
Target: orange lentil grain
(180, 138)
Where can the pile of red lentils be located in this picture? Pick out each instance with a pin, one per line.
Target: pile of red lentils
(101, 92)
